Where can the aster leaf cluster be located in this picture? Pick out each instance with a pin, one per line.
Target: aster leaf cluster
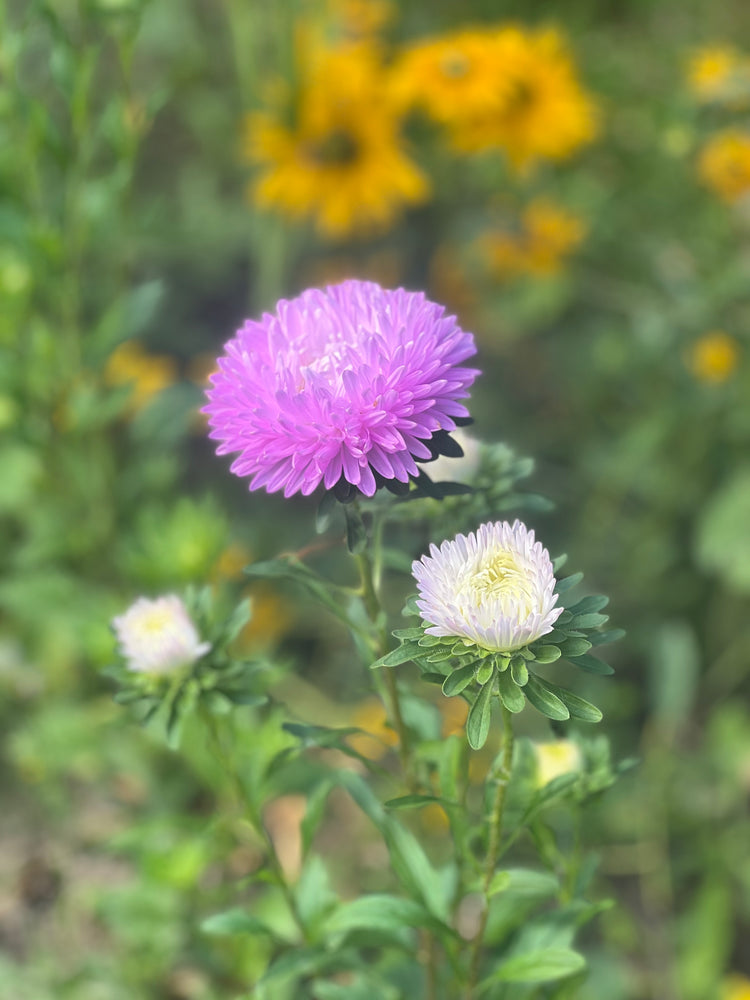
(214, 682)
(478, 675)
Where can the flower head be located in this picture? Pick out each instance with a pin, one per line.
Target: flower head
(724, 164)
(146, 374)
(334, 152)
(548, 234)
(555, 759)
(714, 357)
(509, 88)
(493, 588)
(157, 636)
(348, 385)
(720, 73)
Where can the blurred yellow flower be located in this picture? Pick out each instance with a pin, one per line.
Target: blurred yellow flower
(270, 618)
(341, 161)
(454, 712)
(735, 987)
(724, 164)
(714, 356)
(377, 736)
(507, 88)
(720, 73)
(555, 759)
(231, 562)
(434, 818)
(548, 234)
(146, 374)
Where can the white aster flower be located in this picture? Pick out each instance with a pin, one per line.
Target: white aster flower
(493, 587)
(157, 636)
(457, 470)
(555, 759)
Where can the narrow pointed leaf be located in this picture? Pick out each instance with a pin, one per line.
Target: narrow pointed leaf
(457, 680)
(592, 664)
(478, 721)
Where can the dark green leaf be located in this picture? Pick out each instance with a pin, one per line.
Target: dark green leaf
(511, 694)
(519, 672)
(574, 647)
(610, 635)
(567, 582)
(594, 602)
(380, 911)
(578, 707)
(408, 633)
(547, 654)
(592, 664)
(457, 680)
(485, 671)
(589, 620)
(544, 701)
(356, 532)
(478, 721)
(402, 654)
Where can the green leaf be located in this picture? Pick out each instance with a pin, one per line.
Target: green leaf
(594, 602)
(401, 654)
(542, 966)
(485, 671)
(578, 707)
(478, 721)
(568, 582)
(547, 654)
(545, 701)
(234, 921)
(590, 620)
(559, 562)
(380, 911)
(408, 633)
(411, 608)
(316, 804)
(519, 672)
(574, 647)
(510, 694)
(325, 512)
(602, 638)
(457, 680)
(591, 664)
(524, 882)
(414, 801)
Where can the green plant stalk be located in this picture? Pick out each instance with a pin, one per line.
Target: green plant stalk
(375, 614)
(493, 848)
(255, 818)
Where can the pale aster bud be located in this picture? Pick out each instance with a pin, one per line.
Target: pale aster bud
(555, 759)
(157, 636)
(445, 468)
(494, 587)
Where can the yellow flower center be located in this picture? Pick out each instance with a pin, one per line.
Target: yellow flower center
(154, 622)
(502, 577)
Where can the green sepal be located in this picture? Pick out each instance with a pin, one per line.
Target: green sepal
(519, 672)
(547, 654)
(511, 694)
(485, 671)
(457, 680)
(567, 582)
(578, 707)
(402, 654)
(591, 664)
(589, 620)
(574, 646)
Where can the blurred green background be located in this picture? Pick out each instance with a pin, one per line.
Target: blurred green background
(170, 167)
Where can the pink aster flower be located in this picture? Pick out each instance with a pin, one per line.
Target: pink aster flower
(345, 386)
(493, 588)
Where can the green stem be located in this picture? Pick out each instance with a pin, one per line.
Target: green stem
(493, 848)
(253, 814)
(375, 614)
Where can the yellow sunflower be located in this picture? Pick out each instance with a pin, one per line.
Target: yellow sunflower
(335, 153)
(720, 73)
(724, 164)
(714, 357)
(508, 88)
(548, 234)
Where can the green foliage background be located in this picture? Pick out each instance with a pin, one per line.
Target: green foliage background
(122, 215)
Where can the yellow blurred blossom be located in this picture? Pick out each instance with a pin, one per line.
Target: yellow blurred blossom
(724, 164)
(377, 736)
(231, 562)
(434, 818)
(555, 759)
(714, 356)
(146, 374)
(720, 73)
(454, 712)
(506, 88)
(735, 987)
(270, 618)
(335, 154)
(548, 234)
